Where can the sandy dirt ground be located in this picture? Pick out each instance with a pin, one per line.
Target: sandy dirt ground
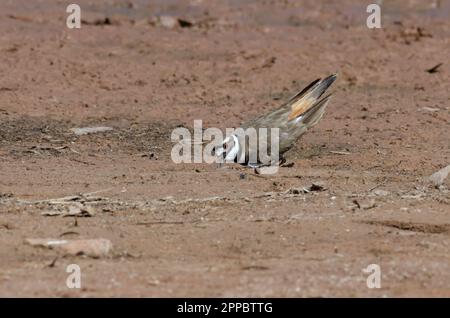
(203, 230)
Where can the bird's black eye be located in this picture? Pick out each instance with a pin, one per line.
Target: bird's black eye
(225, 146)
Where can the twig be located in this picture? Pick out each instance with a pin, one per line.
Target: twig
(159, 222)
(341, 152)
(378, 185)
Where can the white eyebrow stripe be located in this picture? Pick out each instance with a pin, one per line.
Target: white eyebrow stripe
(231, 155)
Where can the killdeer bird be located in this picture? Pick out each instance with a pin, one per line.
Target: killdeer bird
(293, 119)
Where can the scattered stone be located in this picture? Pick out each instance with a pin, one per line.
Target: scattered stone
(75, 210)
(430, 109)
(267, 170)
(295, 191)
(172, 22)
(98, 19)
(185, 23)
(414, 34)
(7, 195)
(93, 18)
(341, 152)
(269, 62)
(150, 155)
(95, 248)
(92, 248)
(6, 226)
(49, 243)
(80, 211)
(90, 130)
(316, 187)
(52, 213)
(168, 21)
(364, 204)
(381, 193)
(439, 177)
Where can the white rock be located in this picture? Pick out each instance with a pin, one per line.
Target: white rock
(90, 130)
(93, 248)
(438, 178)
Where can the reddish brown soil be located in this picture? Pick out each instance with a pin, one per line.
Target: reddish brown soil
(201, 230)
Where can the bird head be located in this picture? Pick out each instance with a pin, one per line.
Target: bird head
(229, 149)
